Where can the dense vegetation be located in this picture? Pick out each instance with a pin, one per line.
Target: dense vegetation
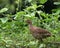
(14, 32)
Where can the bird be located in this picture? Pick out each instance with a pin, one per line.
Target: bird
(37, 32)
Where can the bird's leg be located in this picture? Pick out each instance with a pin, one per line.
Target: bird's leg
(40, 42)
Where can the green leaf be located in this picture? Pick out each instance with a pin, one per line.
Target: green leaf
(4, 20)
(29, 0)
(3, 10)
(42, 1)
(33, 7)
(57, 3)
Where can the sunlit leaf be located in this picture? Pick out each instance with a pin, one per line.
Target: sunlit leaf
(3, 10)
(42, 1)
(4, 20)
(57, 3)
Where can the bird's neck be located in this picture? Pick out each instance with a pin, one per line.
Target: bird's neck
(30, 25)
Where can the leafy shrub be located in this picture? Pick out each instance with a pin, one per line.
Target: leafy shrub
(15, 34)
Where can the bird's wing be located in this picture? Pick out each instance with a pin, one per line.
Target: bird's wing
(42, 31)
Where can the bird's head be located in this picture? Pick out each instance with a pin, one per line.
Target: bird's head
(29, 21)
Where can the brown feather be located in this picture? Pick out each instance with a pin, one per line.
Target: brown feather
(37, 32)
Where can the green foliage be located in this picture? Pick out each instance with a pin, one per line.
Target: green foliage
(42, 1)
(57, 3)
(16, 34)
(3, 10)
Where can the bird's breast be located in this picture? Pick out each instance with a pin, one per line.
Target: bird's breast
(34, 33)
